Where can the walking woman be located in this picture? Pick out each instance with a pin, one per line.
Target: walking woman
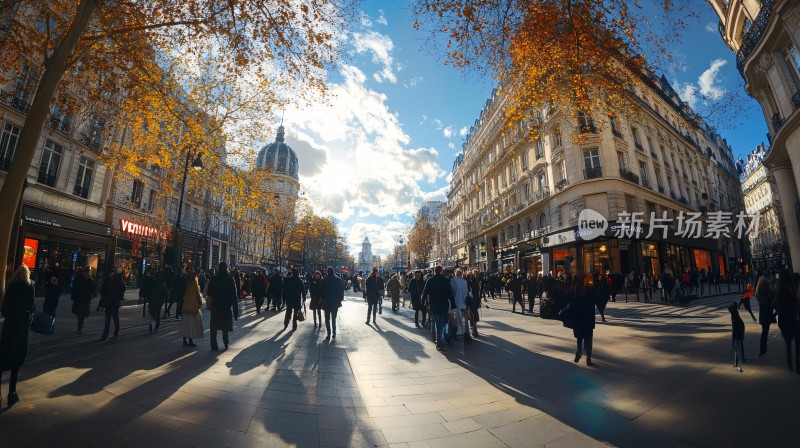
(415, 289)
(316, 290)
(603, 294)
(393, 287)
(583, 300)
(765, 296)
(192, 321)
(746, 301)
(52, 292)
(787, 317)
(83, 291)
(18, 308)
(332, 296)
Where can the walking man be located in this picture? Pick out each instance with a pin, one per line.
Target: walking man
(440, 296)
(293, 291)
(373, 289)
(332, 297)
(113, 292)
(222, 290)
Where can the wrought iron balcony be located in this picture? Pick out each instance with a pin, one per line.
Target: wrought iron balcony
(593, 173)
(630, 176)
(561, 184)
(59, 123)
(660, 189)
(753, 36)
(645, 182)
(20, 105)
(796, 100)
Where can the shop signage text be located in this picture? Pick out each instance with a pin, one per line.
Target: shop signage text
(132, 228)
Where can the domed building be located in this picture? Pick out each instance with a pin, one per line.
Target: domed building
(281, 160)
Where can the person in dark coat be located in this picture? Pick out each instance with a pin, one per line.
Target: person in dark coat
(415, 289)
(475, 302)
(332, 296)
(515, 288)
(145, 289)
(582, 303)
(373, 291)
(222, 290)
(765, 295)
(113, 293)
(315, 291)
(274, 290)
(83, 290)
(294, 294)
(52, 292)
(176, 292)
(787, 308)
(603, 294)
(18, 308)
(439, 294)
(259, 290)
(158, 295)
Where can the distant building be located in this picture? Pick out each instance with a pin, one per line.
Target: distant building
(365, 258)
(431, 210)
(768, 243)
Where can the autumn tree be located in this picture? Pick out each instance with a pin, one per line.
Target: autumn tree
(421, 239)
(322, 243)
(563, 56)
(215, 67)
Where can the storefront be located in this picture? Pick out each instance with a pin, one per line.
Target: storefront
(139, 247)
(58, 245)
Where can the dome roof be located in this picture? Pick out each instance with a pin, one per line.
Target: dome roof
(278, 156)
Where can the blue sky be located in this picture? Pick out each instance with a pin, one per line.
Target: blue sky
(386, 140)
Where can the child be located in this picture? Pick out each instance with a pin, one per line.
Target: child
(738, 337)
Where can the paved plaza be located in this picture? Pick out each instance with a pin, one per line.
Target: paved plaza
(663, 377)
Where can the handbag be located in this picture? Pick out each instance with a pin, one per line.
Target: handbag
(43, 323)
(299, 316)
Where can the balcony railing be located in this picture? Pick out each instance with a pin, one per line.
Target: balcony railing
(588, 129)
(630, 176)
(660, 189)
(561, 184)
(593, 173)
(59, 124)
(750, 40)
(645, 182)
(5, 164)
(20, 105)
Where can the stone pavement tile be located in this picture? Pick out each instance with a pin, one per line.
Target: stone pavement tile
(395, 434)
(535, 431)
(475, 439)
(409, 420)
(429, 406)
(466, 411)
(208, 436)
(404, 399)
(387, 411)
(357, 438)
(462, 426)
(502, 418)
(575, 439)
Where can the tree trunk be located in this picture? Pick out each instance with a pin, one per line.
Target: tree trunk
(55, 66)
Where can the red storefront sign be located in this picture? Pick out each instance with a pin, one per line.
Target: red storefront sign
(132, 228)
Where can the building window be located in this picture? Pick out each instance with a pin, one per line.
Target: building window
(585, 122)
(615, 127)
(643, 173)
(527, 190)
(136, 193)
(591, 163)
(8, 144)
(637, 141)
(51, 160)
(556, 138)
(94, 133)
(629, 204)
(524, 161)
(24, 86)
(151, 200)
(539, 149)
(792, 59)
(623, 162)
(60, 119)
(83, 182)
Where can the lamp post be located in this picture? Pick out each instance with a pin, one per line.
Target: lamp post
(307, 223)
(197, 164)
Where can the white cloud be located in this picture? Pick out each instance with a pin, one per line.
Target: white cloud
(366, 163)
(381, 47)
(463, 131)
(438, 123)
(448, 132)
(451, 145)
(412, 82)
(707, 89)
(381, 18)
(711, 27)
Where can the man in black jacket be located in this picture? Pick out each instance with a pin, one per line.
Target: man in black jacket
(332, 297)
(259, 287)
(440, 297)
(222, 290)
(113, 292)
(293, 291)
(274, 290)
(373, 291)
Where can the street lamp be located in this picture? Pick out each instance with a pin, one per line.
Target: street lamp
(197, 164)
